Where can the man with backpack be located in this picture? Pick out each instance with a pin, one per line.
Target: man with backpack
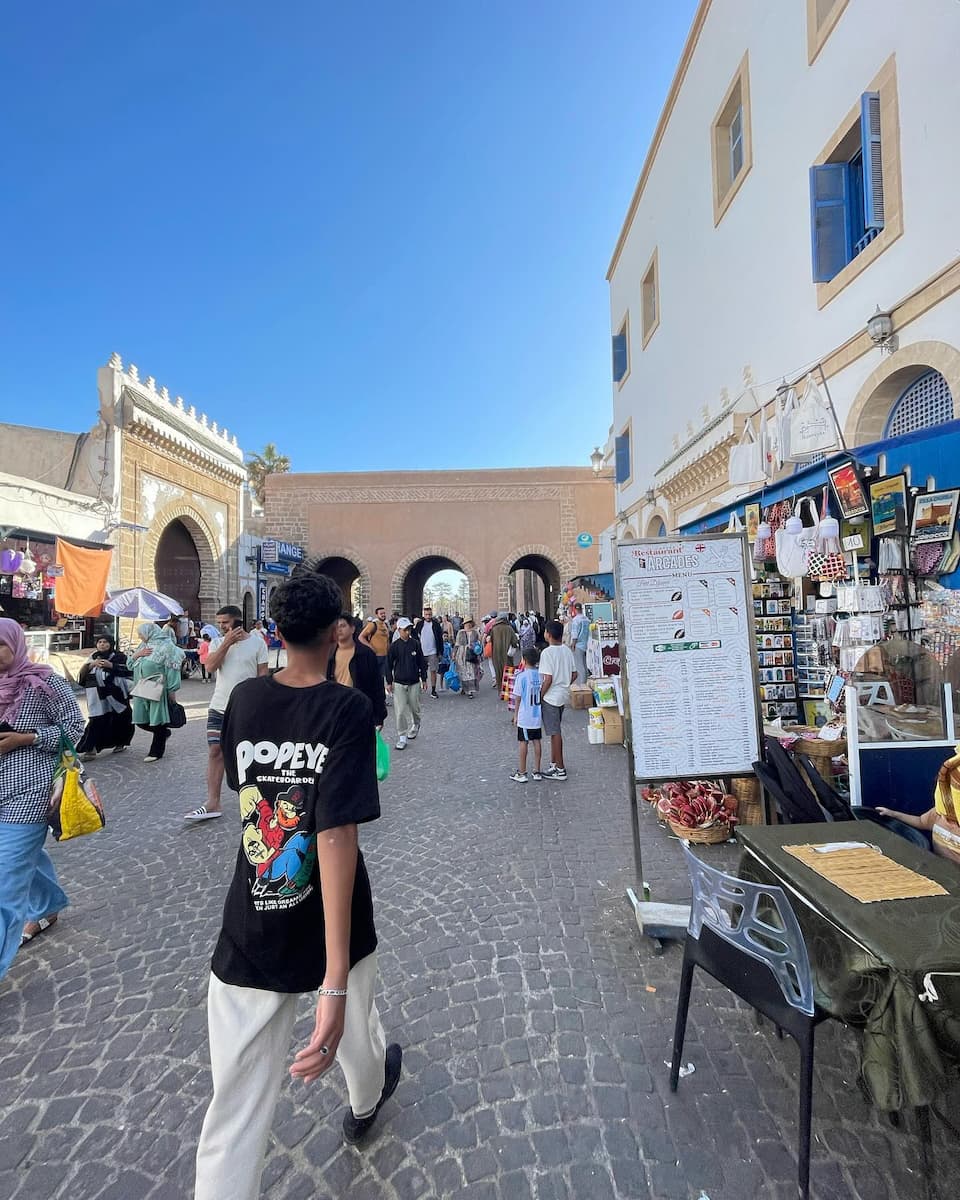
(376, 636)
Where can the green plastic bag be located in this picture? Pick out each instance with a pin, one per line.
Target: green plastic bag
(383, 758)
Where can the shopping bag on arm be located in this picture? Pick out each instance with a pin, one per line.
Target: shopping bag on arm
(383, 758)
(75, 805)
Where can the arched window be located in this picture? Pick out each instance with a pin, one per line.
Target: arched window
(658, 529)
(927, 401)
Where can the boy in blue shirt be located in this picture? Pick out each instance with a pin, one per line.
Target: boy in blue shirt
(526, 715)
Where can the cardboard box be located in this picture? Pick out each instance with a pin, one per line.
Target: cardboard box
(581, 696)
(612, 727)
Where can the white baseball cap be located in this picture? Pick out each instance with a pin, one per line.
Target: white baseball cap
(404, 623)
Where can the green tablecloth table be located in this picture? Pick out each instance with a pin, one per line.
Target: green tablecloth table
(869, 960)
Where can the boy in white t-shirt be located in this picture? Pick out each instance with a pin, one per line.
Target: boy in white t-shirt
(557, 673)
(527, 716)
(238, 655)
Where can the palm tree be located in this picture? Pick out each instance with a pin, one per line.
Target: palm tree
(259, 466)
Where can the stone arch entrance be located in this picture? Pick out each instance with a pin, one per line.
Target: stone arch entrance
(180, 559)
(248, 616)
(883, 388)
(520, 574)
(412, 573)
(345, 567)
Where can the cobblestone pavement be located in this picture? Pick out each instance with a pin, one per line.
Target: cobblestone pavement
(534, 1019)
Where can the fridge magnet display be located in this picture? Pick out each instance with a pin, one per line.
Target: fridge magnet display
(888, 505)
(752, 521)
(848, 490)
(934, 515)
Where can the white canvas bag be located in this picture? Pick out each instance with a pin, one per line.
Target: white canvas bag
(746, 459)
(812, 429)
(795, 541)
(780, 428)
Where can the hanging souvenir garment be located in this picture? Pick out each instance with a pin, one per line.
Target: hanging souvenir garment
(812, 428)
(765, 546)
(746, 460)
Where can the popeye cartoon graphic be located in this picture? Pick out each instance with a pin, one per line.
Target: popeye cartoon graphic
(283, 857)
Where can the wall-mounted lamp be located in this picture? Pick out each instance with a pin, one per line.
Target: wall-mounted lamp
(880, 331)
(596, 460)
(650, 496)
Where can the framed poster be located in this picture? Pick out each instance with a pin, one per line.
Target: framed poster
(751, 520)
(687, 651)
(888, 504)
(934, 515)
(848, 490)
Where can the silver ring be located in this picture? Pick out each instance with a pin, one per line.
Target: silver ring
(324, 1049)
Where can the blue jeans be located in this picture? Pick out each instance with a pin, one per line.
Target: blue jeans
(28, 884)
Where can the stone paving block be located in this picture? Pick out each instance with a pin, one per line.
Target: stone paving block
(509, 971)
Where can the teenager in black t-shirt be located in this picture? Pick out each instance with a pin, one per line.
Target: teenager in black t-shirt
(300, 751)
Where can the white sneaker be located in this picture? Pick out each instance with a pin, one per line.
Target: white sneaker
(402, 742)
(414, 731)
(518, 777)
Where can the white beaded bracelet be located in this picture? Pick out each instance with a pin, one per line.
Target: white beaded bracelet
(332, 991)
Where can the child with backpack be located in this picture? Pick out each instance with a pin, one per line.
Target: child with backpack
(527, 714)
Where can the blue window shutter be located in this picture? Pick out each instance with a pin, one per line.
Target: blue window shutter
(622, 458)
(829, 223)
(872, 160)
(619, 356)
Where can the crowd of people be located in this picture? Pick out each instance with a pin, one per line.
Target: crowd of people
(301, 758)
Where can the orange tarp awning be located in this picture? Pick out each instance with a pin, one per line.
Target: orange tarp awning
(82, 588)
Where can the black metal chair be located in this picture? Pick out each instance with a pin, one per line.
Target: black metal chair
(797, 807)
(731, 936)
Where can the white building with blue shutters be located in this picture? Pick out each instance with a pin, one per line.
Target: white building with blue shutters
(804, 173)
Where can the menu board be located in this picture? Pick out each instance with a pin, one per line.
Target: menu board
(687, 648)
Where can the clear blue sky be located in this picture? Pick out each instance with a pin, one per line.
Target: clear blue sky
(373, 234)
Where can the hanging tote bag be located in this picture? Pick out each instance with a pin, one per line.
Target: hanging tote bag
(75, 804)
(783, 414)
(795, 542)
(746, 459)
(812, 428)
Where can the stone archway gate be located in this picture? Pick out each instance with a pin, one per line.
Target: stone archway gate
(481, 522)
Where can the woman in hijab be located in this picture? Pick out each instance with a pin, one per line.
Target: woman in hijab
(35, 705)
(158, 658)
(106, 677)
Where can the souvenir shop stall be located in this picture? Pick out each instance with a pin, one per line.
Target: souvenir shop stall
(856, 610)
(36, 569)
(596, 593)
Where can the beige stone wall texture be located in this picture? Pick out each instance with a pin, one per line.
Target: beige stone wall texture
(481, 521)
(195, 496)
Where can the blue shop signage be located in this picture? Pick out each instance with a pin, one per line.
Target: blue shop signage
(273, 551)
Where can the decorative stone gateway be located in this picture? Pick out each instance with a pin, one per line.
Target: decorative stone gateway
(395, 528)
(181, 478)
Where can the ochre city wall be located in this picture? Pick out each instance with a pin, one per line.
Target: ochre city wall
(483, 521)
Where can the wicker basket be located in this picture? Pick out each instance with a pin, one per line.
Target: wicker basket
(702, 837)
(749, 802)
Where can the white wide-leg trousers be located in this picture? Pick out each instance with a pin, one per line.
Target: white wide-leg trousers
(250, 1032)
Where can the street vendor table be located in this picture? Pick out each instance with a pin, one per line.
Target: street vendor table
(870, 960)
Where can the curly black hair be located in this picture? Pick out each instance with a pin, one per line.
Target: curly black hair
(305, 606)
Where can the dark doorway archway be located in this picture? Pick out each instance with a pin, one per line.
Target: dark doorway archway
(177, 567)
(345, 573)
(416, 578)
(247, 610)
(534, 583)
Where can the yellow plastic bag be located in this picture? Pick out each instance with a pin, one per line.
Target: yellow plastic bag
(75, 804)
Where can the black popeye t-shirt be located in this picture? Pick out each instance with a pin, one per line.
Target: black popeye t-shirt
(302, 760)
